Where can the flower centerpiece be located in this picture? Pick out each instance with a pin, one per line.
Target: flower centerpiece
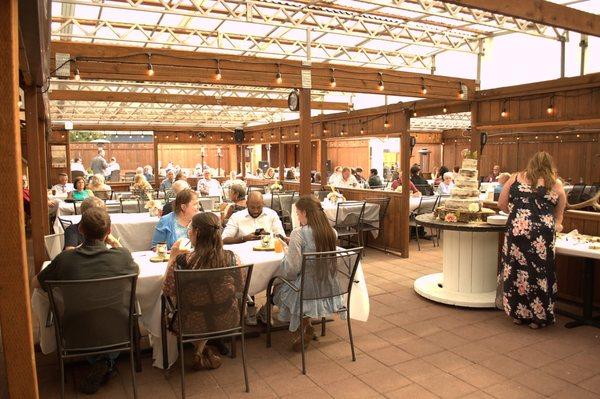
(334, 196)
(276, 187)
(450, 218)
(152, 206)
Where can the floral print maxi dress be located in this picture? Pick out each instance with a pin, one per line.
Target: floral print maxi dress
(528, 275)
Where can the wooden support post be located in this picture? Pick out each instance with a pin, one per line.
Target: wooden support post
(243, 161)
(36, 179)
(156, 167)
(405, 167)
(43, 147)
(15, 306)
(305, 146)
(475, 144)
(323, 163)
(281, 157)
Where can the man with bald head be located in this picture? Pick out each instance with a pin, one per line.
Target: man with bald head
(244, 225)
(177, 187)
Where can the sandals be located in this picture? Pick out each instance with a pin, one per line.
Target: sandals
(207, 360)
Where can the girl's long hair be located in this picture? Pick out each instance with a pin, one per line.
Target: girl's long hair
(208, 250)
(541, 166)
(325, 238)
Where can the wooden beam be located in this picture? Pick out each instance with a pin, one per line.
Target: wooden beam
(130, 63)
(15, 305)
(281, 156)
(141, 128)
(539, 11)
(305, 145)
(76, 95)
(323, 164)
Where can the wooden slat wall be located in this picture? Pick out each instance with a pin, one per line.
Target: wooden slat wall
(350, 153)
(188, 155)
(128, 155)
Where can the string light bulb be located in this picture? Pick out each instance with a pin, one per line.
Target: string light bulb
(325, 131)
(218, 75)
(278, 77)
(445, 110)
(423, 87)
(332, 82)
(461, 91)
(386, 124)
(381, 86)
(504, 112)
(76, 74)
(550, 109)
(414, 110)
(150, 70)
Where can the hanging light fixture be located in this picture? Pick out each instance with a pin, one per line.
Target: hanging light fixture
(461, 91)
(325, 131)
(362, 129)
(386, 124)
(278, 77)
(150, 70)
(414, 113)
(381, 86)
(332, 82)
(423, 87)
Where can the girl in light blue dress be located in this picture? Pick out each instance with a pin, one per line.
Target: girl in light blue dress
(314, 235)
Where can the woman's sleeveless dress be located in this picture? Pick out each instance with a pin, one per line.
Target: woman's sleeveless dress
(528, 274)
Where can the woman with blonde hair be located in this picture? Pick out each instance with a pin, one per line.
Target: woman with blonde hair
(535, 201)
(98, 183)
(315, 234)
(140, 186)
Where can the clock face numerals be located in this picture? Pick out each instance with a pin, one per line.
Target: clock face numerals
(293, 101)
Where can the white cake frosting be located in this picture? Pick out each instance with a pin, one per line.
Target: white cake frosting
(465, 196)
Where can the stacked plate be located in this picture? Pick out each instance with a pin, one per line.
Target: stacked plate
(497, 220)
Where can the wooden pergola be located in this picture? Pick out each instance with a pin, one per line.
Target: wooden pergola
(224, 64)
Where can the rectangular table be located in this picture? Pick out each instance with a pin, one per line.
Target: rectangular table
(149, 290)
(564, 246)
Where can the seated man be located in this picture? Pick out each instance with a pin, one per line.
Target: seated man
(73, 236)
(347, 180)
(177, 187)
(374, 179)
(63, 186)
(208, 185)
(237, 196)
(92, 260)
(168, 182)
(243, 225)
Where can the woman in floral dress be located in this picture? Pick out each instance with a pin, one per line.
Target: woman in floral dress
(535, 201)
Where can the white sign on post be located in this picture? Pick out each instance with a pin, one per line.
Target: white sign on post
(306, 79)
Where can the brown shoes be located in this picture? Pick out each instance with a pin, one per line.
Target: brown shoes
(208, 360)
(309, 334)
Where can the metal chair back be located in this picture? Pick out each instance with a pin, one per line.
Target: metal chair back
(428, 204)
(574, 196)
(322, 194)
(76, 173)
(104, 194)
(349, 214)
(115, 175)
(93, 317)
(64, 223)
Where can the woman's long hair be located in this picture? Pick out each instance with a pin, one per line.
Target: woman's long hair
(541, 166)
(208, 249)
(325, 238)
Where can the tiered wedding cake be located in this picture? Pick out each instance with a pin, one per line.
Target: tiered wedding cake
(464, 204)
(465, 195)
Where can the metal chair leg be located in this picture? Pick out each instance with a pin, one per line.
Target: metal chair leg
(323, 323)
(182, 368)
(244, 362)
(350, 335)
(417, 235)
(302, 345)
(269, 309)
(133, 370)
(62, 377)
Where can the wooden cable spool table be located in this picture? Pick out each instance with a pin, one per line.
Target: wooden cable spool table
(470, 264)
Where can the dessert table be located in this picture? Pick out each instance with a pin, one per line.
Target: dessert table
(135, 230)
(470, 264)
(570, 246)
(371, 215)
(149, 290)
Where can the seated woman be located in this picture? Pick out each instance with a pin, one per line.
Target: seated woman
(314, 235)
(440, 175)
(445, 187)
(237, 196)
(173, 226)
(290, 174)
(397, 182)
(270, 173)
(205, 235)
(97, 185)
(140, 186)
(80, 192)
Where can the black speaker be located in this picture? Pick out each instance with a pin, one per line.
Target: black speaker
(238, 136)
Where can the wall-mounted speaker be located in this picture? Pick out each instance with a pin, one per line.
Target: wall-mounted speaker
(238, 136)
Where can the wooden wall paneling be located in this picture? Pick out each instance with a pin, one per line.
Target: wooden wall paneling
(188, 155)
(351, 153)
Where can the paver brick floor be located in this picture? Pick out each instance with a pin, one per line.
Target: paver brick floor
(409, 348)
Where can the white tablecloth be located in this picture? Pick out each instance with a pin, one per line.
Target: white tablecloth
(149, 288)
(133, 229)
(371, 215)
(67, 208)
